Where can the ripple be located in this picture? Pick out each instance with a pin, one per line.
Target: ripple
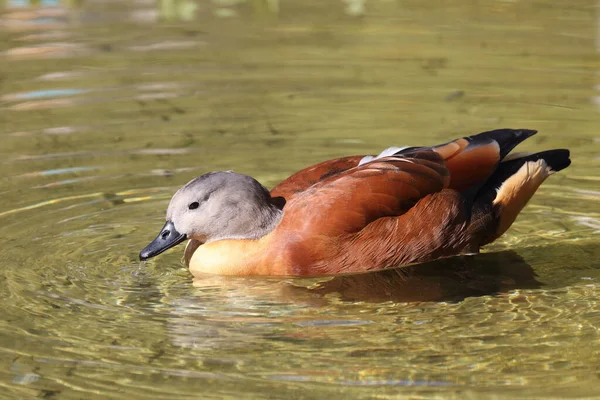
(588, 222)
(46, 50)
(114, 198)
(65, 182)
(45, 36)
(59, 171)
(64, 130)
(78, 154)
(167, 45)
(40, 94)
(61, 76)
(395, 382)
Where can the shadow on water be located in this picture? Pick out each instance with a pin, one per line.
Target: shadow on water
(455, 279)
(452, 279)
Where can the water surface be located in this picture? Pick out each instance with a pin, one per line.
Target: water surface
(109, 107)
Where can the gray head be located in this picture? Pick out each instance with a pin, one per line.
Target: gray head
(215, 206)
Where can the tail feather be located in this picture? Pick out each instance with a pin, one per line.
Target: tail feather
(557, 159)
(507, 191)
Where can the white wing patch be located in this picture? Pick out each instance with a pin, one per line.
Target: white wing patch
(390, 151)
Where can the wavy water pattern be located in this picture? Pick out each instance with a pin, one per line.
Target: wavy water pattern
(106, 108)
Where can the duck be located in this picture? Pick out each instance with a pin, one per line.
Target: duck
(356, 214)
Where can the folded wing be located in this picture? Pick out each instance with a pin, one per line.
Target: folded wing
(350, 200)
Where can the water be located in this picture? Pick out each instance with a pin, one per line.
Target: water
(108, 107)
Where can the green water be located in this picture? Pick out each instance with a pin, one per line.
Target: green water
(107, 108)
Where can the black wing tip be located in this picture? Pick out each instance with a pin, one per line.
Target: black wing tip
(506, 138)
(505, 133)
(523, 132)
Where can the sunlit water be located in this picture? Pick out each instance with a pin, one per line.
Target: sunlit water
(107, 108)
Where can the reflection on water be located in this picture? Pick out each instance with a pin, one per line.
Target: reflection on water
(109, 107)
(445, 280)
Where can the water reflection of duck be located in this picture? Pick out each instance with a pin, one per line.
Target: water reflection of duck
(356, 214)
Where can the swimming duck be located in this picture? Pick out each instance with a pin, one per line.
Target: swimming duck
(359, 213)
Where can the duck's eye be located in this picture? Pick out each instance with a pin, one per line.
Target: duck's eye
(194, 205)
